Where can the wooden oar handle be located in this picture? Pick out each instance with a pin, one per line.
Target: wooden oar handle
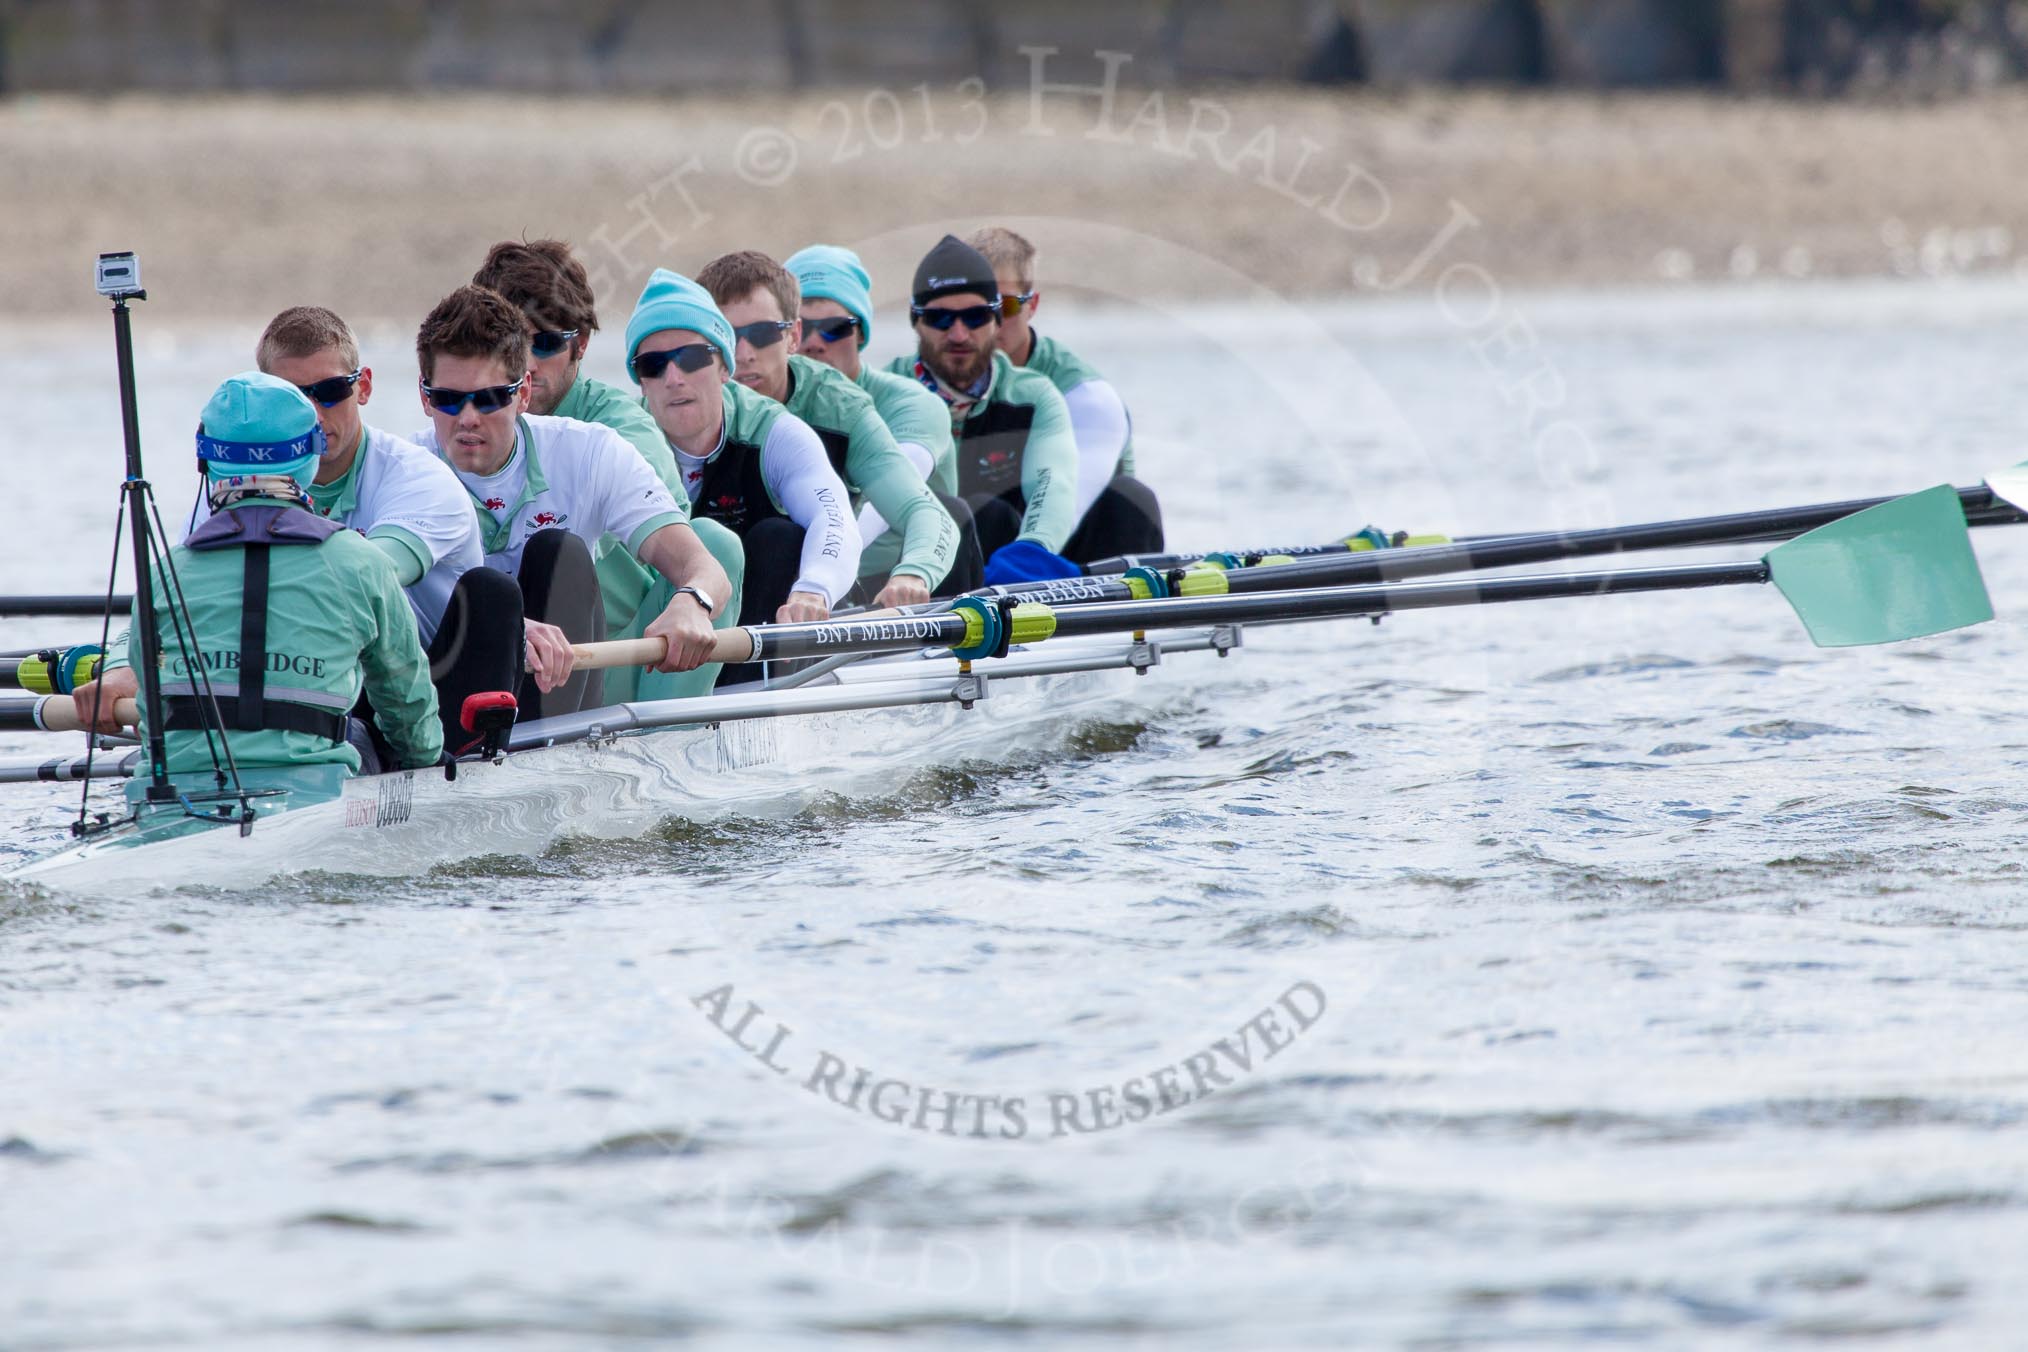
(59, 713)
(728, 645)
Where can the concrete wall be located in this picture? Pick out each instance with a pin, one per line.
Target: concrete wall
(671, 46)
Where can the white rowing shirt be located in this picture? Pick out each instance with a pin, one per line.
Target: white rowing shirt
(566, 475)
(398, 490)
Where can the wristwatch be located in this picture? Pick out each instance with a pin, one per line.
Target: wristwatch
(702, 599)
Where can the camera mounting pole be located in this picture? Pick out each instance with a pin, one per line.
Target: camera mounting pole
(119, 280)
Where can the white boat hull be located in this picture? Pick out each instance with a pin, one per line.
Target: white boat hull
(621, 785)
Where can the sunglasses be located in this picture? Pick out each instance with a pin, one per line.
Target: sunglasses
(331, 392)
(1011, 302)
(692, 357)
(972, 316)
(830, 330)
(549, 342)
(763, 333)
(451, 403)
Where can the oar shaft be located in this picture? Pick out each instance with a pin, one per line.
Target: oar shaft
(1379, 599)
(1982, 508)
(1515, 550)
(727, 645)
(56, 713)
(81, 607)
(775, 642)
(111, 765)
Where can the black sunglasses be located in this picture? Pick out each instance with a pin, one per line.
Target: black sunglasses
(763, 332)
(692, 357)
(830, 330)
(549, 342)
(329, 393)
(972, 316)
(451, 403)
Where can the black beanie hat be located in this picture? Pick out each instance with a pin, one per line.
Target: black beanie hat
(952, 268)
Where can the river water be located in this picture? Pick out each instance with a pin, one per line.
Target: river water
(1632, 970)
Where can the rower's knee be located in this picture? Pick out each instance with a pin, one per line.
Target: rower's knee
(724, 546)
(774, 560)
(480, 630)
(997, 523)
(1126, 518)
(560, 585)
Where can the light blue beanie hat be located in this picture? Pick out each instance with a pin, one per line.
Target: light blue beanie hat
(259, 424)
(827, 272)
(672, 301)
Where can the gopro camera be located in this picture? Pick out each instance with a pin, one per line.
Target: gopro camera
(119, 274)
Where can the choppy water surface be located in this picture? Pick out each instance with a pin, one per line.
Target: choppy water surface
(1671, 982)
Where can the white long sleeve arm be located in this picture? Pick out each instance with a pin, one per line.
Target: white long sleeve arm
(1098, 418)
(799, 475)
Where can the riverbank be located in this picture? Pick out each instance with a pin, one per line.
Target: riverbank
(377, 205)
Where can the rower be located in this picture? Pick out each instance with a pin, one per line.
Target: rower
(545, 491)
(1116, 513)
(290, 616)
(835, 321)
(401, 498)
(760, 299)
(1017, 456)
(546, 280)
(747, 461)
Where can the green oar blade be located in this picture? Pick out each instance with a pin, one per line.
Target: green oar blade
(1897, 571)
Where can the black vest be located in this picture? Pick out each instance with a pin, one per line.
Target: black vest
(835, 445)
(733, 492)
(991, 445)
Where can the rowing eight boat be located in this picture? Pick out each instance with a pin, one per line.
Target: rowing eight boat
(765, 753)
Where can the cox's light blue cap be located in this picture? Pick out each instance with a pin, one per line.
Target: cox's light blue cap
(256, 423)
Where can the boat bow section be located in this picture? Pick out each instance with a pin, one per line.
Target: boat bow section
(622, 770)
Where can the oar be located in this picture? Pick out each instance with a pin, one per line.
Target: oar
(32, 770)
(1984, 505)
(88, 607)
(56, 713)
(1898, 570)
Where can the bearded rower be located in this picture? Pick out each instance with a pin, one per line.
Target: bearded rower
(747, 462)
(1116, 513)
(546, 280)
(290, 616)
(1016, 453)
(835, 322)
(546, 490)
